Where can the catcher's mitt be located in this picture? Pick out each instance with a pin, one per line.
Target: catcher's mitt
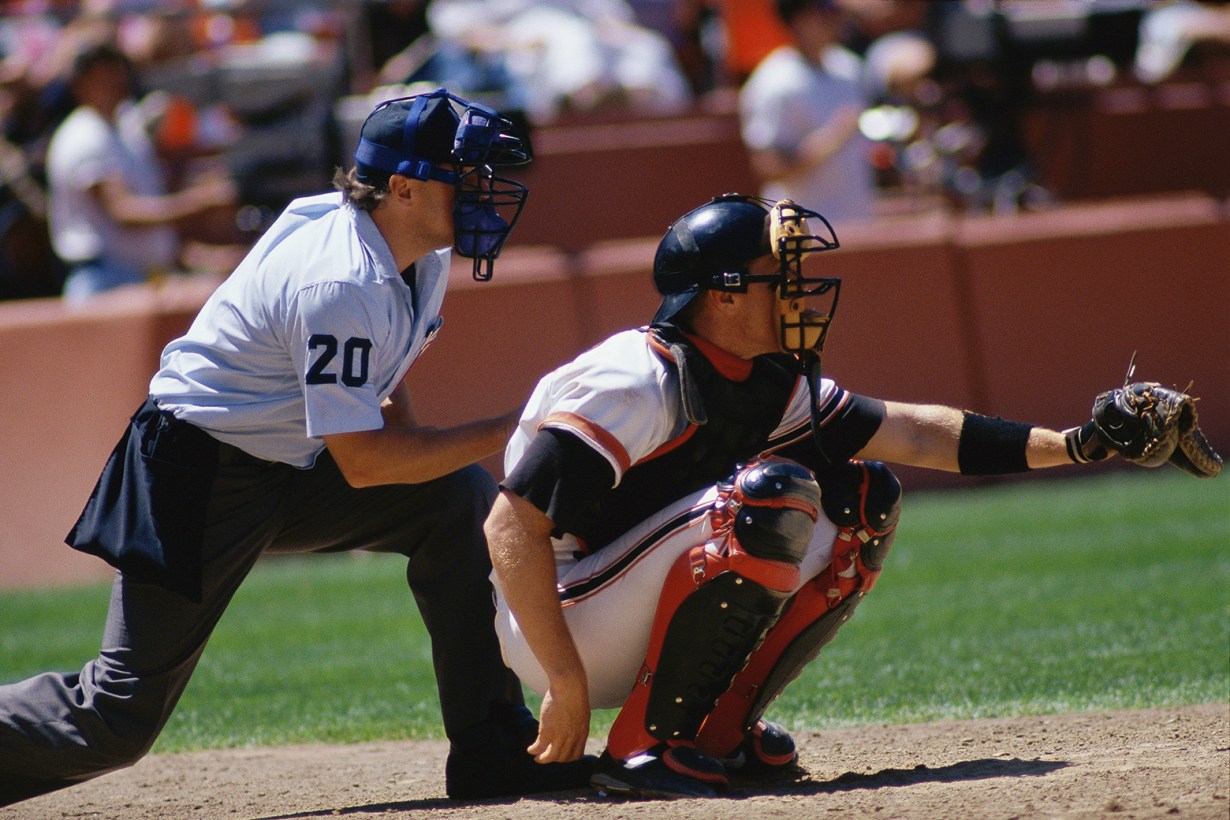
(1149, 425)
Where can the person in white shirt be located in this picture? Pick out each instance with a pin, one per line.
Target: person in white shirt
(111, 219)
(569, 55)
(280, 422)
(799, 113)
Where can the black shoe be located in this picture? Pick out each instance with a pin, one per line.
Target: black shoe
(15, 791)
(665, 772)
(766, 749)
(497, 764)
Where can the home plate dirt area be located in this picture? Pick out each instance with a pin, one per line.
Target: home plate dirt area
(1172, 762)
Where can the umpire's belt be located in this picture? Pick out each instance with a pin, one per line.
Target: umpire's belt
(147, 512)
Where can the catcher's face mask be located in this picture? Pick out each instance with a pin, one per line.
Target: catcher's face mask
(713, 247)
(485, 206)
(806, 305)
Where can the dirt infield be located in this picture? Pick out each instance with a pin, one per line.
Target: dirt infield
(1132, 764)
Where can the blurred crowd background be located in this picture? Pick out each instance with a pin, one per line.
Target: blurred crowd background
(237, 106)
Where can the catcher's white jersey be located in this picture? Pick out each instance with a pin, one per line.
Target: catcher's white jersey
(306, 338)
(623, 401)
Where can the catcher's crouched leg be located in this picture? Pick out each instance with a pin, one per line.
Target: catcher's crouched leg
(864, 500)
(714, 609)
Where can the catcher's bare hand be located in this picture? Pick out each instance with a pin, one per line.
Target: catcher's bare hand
(563, 724)
(1149, 425)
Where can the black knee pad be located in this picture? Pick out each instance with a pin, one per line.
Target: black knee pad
(781, 502)
(736, 597)
(864, 495)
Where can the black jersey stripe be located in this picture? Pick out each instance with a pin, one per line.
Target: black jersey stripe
(683, 520)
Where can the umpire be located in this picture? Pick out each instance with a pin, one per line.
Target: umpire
(280, 422)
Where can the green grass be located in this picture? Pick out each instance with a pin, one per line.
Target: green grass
(1044, 597)
(1038, 598)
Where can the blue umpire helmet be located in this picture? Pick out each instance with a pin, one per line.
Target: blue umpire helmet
(442, 137)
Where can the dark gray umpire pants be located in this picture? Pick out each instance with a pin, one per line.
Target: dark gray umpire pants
(59, 729)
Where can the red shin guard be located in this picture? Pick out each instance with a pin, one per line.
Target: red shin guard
(813, 616)
(634, 730)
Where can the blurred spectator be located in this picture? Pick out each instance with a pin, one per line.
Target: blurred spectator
(437, 60)
(800, 111)
(111, 219)
(986, 74)
(390, 27)
(28, 268)
(37, 55)
(568, 55)
(1169, 31)
(688, 25)
(891, 39)
(896, 64)
(36, 51)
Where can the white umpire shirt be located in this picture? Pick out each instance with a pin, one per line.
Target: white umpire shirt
(306, 338)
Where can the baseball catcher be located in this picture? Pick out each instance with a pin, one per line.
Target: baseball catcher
(692, 509)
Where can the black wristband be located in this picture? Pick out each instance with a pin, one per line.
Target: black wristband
(990, 445)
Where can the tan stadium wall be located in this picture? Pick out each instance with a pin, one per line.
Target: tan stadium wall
(1026, 316)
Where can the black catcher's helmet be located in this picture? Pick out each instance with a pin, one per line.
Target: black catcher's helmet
(713, 246)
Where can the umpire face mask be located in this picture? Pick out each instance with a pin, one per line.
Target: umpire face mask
(486, 206)
(484, 212)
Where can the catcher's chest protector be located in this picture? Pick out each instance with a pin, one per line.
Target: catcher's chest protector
(729, 423)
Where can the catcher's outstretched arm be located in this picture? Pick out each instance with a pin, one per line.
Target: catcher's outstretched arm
(945, 438)
(1145, 423)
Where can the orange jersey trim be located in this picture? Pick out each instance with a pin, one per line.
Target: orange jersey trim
(592, 433)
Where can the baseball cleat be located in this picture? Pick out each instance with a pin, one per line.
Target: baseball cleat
(767, 748)
(667, 772)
